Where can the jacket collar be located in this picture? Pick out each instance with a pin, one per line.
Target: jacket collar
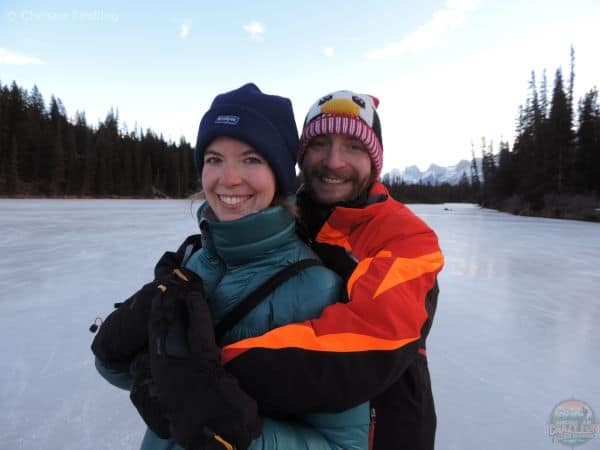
(314, 214)
(248, 238)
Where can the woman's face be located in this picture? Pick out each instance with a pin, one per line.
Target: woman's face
(236, 179)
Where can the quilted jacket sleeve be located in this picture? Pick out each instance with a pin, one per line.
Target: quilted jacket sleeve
(115, 377)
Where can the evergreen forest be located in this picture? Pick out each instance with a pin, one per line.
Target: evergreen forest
(44, 153)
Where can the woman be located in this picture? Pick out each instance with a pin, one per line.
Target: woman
(245, 154)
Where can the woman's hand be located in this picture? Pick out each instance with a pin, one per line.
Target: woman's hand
(203, 403)
(124, 333)
(144, 396)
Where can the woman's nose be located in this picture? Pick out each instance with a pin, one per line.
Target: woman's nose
(231, 175)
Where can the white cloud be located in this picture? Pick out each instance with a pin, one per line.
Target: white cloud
(184, 30)
(428, 34)
(8, 57)
(328, 51)
(256, 30)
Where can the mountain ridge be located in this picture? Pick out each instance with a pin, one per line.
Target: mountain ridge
(434, 174)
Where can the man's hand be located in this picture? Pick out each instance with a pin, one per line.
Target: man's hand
(203, 403)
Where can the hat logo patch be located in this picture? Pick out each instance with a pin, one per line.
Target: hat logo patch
(227, 120)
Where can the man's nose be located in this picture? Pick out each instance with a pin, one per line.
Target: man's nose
(335, 157)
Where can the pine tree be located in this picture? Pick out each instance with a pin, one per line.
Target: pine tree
(147, 177)
(4, 145)
(475, 181)
(12, 175)
(73, 166)
(103, 151)
(36, 137)
(505, 173)
(56, 180)
(587, 159)
(138, 166)
(571, 83)
(108, 149)
(544, 96)
(559, 158)
(85, 148)
(488, 170)
(126, 175)
(15, 125)
(537, 136)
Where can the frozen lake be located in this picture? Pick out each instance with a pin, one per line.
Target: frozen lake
(516, 330)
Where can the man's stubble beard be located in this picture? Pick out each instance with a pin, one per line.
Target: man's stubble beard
(359, 186)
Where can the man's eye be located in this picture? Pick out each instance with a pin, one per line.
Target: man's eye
(357, 146)
(211, 160)
(253, 160)
(318, 143)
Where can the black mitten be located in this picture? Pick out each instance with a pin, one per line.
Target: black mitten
(203, 404)
(144, 396)
(124, 333)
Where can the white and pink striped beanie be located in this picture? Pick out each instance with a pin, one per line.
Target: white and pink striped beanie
(348, 113)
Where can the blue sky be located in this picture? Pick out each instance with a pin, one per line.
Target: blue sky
(446, 72)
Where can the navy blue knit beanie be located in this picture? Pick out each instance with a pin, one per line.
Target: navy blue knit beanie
(266, 122)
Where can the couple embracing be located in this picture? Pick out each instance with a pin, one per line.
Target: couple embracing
(291, 321)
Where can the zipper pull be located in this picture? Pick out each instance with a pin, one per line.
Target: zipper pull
(372, 429)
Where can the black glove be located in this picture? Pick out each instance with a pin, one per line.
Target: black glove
(144, 396)
(124, 333)
(336, 258)
(203, 404)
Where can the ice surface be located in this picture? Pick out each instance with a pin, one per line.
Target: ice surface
(515, 332)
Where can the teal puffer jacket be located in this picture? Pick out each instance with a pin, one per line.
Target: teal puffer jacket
(235, 258)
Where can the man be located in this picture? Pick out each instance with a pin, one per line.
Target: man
(370, 345)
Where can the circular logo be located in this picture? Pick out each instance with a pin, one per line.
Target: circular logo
(572, 423)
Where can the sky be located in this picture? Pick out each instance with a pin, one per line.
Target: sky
(446, 72)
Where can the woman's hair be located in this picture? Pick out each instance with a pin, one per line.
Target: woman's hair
(291, 207)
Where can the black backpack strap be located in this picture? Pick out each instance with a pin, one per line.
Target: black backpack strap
(255, 297)
(173, 260)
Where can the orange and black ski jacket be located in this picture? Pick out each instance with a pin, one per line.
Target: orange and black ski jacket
(355, 350)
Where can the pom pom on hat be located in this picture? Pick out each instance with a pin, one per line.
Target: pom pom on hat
(348, 113)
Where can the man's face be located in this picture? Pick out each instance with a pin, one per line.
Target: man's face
(336, 168)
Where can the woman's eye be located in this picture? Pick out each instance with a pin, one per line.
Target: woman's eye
(211, 160)
(253, 160)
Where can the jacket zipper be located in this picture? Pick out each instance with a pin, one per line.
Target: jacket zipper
(372, 429)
